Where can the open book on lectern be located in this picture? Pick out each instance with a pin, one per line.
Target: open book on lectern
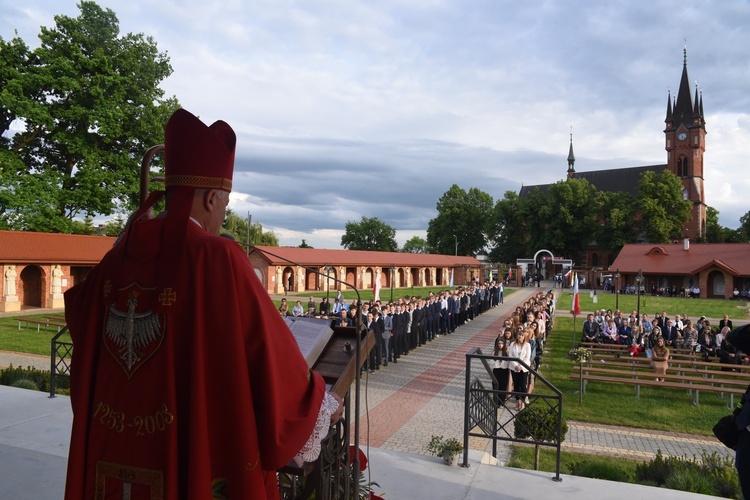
(312, 335)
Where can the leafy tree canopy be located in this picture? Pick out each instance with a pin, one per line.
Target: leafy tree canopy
(663, 211)
(76, 116)
(369, 234)
(462, 222)
(237, 227)
(415, 245)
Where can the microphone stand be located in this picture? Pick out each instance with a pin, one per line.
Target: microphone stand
(358, 360)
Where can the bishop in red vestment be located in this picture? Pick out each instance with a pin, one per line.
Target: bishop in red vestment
(185, 382)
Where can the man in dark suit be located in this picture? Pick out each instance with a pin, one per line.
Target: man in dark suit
(725, 322)
(590, 330)
(669, 332)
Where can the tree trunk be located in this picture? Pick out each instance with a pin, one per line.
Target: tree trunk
(536, 457)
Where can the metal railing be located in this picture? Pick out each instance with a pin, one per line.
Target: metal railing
(60, 356)
(539, 423)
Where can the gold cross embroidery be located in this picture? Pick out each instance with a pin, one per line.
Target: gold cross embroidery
(167, 297)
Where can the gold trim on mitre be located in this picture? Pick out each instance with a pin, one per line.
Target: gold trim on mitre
(198, 181)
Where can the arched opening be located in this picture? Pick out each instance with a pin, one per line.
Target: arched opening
(311, 280)
(716, 285)
(682, 166)
(595, 260)
(31, 283)
(415, 276)
(288, 279)
(351, 276)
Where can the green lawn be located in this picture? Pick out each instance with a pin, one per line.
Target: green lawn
(694, 308)
(522, 457)
(27, 339)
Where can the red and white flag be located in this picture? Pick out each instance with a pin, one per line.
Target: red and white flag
(576, 301)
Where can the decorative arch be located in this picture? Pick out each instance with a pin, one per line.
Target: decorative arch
(32, 286)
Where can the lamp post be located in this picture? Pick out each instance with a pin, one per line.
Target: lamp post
(617, 289)
(328, 281)
(638, 282)
(393, 274)
(456, 237)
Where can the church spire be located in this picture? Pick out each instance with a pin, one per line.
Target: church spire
(571, 156)
(684, 107)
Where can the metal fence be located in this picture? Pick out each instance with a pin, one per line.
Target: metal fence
(60, 355)
(486, 414)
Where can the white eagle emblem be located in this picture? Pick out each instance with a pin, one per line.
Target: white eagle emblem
(135, 336)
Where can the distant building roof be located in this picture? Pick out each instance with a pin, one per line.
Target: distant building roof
(616, 180)
(23, 247)
(320, 257)
(672, 258)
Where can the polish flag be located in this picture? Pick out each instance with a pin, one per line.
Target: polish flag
(576, 300)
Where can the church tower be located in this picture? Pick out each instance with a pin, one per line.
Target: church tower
(685, 136)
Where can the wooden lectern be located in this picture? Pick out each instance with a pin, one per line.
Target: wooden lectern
(337, 364)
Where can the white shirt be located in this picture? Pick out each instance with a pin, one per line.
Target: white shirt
(521, 352)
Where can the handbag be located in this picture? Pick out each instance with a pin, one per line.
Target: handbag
(726, 431)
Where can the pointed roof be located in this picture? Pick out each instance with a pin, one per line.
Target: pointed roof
(683, 108)
(669, 106)
(571, 156)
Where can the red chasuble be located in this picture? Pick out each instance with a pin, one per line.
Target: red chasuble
(189, 388)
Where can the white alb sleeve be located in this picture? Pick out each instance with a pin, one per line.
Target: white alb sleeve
(311, 449)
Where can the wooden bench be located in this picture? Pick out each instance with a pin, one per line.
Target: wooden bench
(691, 375)
(39, 322)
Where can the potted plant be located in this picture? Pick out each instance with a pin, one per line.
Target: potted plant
(449, 448)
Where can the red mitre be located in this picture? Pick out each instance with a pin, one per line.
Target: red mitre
(196, 155)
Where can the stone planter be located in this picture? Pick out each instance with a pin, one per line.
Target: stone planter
(450, 458)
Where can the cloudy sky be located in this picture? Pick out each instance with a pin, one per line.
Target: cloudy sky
(346, 109)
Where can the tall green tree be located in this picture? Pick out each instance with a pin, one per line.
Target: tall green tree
(663, 211)
(462, 222)
(369, 234)
(90, 105)
(615, 224)
(714, 231)
(237, 227)
(744, 228)
(507, 232)
(415, 244)
(569, 216)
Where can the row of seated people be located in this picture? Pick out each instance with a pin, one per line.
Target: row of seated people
(642, 335)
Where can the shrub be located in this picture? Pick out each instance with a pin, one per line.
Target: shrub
(713, 470)
(685, 479)
(540, 423)
(24, 383)
(599, 470)
(40, 377)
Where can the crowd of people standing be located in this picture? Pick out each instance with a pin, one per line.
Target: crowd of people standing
(522, 338)
(407, 323)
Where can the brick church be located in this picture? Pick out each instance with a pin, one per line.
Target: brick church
(685, 143)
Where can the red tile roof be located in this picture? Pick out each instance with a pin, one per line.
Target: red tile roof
(320, 257)
(23, 247)
(674, 259)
